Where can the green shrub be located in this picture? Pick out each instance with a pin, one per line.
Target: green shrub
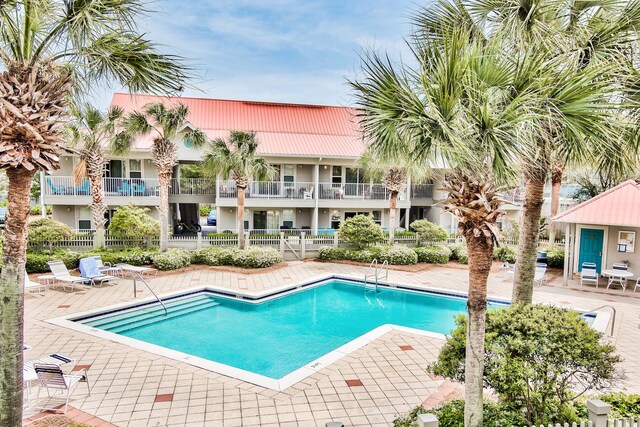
(622, 405)
(46, 232)
(537, 359)
(459, 253)
(133, 256)
(172, 259)
(205, 209)
(555, 258)
(505, 253)
(451, 414)
(428, 231)
(433, 254)
(361, 231)
(37, 211)
(37, 260)
(398, 255)
(252, 257)
(132, 222)
(395, 254)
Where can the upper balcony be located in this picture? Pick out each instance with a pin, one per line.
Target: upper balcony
(268, 193)
(143, 191)
(422, 191)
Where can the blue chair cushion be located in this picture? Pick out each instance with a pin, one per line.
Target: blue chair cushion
(89, 268)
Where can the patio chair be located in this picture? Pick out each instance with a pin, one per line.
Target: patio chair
(62, 275)
(637, 285)
(588, 275)
(125, 188)
(106, 267)
(30, 285)
(540, 277)
(52, 378)
(29, 373)
(56, 189)
(308, 195)
(139, 188)
(83, 189)
(89, 270)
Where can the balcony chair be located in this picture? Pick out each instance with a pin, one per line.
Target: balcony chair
(308, 195)
(83, 189)
(125, 188)
(139, 189)
(56, 190)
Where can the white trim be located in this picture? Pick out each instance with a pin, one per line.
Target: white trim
(605, 239)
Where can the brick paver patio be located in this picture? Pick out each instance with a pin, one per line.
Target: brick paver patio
(370, 387)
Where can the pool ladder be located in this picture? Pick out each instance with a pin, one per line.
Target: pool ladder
(376, 274)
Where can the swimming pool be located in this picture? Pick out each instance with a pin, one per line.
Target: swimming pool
(274, 340)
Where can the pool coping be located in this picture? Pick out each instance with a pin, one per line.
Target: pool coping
(71, 322)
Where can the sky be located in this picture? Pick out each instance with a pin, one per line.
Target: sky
(292, 51)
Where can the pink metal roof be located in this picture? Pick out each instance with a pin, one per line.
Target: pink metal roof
(282, 129)
(617, 206)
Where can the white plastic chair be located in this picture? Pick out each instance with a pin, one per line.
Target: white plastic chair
(61, 274)
(106, 267)
(30, 285)
(52, 378)
(540, 277)
(308, 195)
(588, 275)
(637, 285)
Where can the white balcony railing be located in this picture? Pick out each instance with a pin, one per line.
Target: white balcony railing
(195, 186)
(127, 187)
(355, 191)
(269, 190)
(422, 191)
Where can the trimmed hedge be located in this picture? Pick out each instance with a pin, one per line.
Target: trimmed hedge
(133, 256)
(37, 261)
(252, 257)
(555, 258)
(433, 254)
(173, 259)
(459, 253)
(395, 254)
(505, 253)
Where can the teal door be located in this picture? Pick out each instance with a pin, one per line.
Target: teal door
(591, 247)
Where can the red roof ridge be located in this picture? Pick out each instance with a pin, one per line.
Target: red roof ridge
(241, 101)
(579, 206)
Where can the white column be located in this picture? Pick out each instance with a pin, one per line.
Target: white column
(316, 197)
(567, 257)
(407, 212)
(43, 209)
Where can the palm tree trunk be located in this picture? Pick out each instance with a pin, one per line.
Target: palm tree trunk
(240, 216)
(12, 296)
(393, 210)
(480, 251)
(556, 183)
(164, 180)
(95, 169)
(528, 241)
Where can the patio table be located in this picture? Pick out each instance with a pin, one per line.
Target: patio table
(619, 276)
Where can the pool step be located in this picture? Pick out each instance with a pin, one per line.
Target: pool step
(139, 322)
(156, 310)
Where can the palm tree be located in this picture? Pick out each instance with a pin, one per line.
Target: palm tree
(163, 124)
(92, 133)
(393, 176)
(458, 108)
(237, 158)
(586, 34)
(49, 49)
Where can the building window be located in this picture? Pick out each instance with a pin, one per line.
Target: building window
(135, 168)
(287, 218)
(336, 176)
(377, 217)
(84, 219)
(336, 216)
(288, 175)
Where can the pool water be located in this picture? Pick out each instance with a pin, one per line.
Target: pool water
(278, 336)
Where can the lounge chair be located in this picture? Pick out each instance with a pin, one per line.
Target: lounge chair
(84, 189)
(308, 195)
(89, 270)
(30, 285)
(588, 274)
(106, 267)
(125, 189)
(62, 275)
(139, 188)
(540, 277)
(56, 190)
(52, 378)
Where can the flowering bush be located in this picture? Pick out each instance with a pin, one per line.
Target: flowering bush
(433, 254)
(252, 257)
(459, 252)
(133, 256)
(396, 254)
(505, 253)
(173, 259)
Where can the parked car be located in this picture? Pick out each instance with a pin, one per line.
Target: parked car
(3, 214)
(212, 217)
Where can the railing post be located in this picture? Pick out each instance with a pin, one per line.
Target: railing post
(282, 243)
(427, 420)
(149, 242)
(335, 239)
(302, 245)
(598, 412)
(247, 239)
(199, 240)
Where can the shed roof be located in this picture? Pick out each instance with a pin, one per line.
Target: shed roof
(282, 129)
(619, 205)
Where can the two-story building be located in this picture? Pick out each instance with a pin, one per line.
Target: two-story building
(314, 148)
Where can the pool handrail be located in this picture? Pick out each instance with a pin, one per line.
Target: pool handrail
(613, 315)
